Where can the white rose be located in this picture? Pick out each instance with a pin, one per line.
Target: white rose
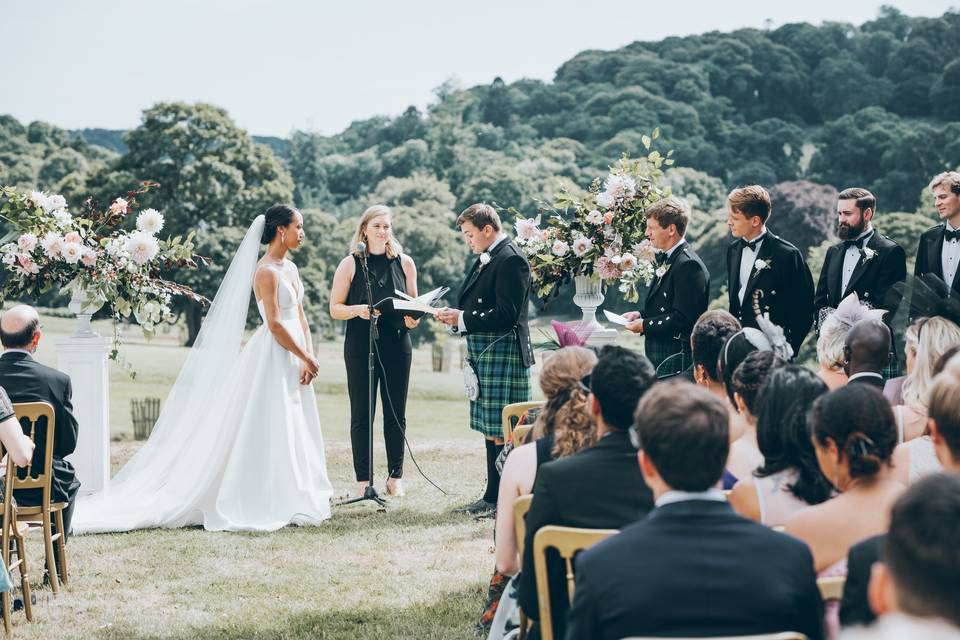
(63, 218)
(150, 221)
(55, 203)
(89, 257)
(661, 271)
(581, 246)
(71, 252)
(615, 259)
(605, 200)
(628, 262)
(760, 265)
(142, 247)
(51, 243)
(526, 228)
(27, 242)
(9, 258)
(560, 248)
(39, 199)
(484, 258)
(595, 217)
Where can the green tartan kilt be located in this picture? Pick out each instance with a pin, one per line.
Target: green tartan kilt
(670, 356)
(503, 379)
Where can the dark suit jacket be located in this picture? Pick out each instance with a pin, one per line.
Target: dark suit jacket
(930, 255)
(695, 568)
(495, 296)
(872, 279)
(855, 608)
(786, 286)
(675, 301)
(600, 487)
(26, 380)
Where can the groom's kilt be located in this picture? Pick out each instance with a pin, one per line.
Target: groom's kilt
(503, 379)
(670, 356)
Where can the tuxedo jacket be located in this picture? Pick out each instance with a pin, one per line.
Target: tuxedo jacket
(691, 569)
(600, 487)
(930, 256)
(786, 288)
(675, 301)
(855, 607)
(495, 296)
(26, 380)
(872, 279)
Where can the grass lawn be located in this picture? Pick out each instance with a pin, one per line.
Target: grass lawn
(417, 571)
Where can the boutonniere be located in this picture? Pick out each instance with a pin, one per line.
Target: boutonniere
(760, 265)
(484, 260)
(867, 254)
(662, 270)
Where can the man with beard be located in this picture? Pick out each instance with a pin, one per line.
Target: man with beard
(865, 262)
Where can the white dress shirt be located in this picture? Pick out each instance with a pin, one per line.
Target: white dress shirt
(950, 257)
(676, 495)
(747, 258)
(461, 325)
(851, 257)
(670, 251)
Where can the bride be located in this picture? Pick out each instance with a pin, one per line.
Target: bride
(238, 445)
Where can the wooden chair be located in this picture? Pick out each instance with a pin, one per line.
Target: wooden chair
(515, 410)
(831, 588)
(784, 635)
(520, 507)
(520, 432)
(39, 415)
(13, 532)
(567, 541)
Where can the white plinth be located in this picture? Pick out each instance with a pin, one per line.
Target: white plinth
(589, 297)
(84, 359)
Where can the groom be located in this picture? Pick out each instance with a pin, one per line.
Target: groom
(493, 314)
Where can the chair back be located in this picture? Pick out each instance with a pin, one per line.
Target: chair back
(520, 507)
(520, 433)
(831, 588)
(37, 418)
(567, 541)
(513, 412)
(9, 513)
(783, 635)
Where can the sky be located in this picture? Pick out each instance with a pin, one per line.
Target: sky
(283, 65)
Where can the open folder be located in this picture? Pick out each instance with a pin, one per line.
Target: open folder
(410, 306)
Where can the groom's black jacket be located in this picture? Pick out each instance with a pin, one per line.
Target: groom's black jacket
(495, 296)
(26, 380)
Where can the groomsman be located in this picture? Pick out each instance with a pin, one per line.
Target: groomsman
(763, 267)
(679, 293)
(493, 314)
(939, 250)
(865, 262)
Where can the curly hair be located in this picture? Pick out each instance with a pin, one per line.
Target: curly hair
(565, 413)
(860, 421)
(709, 334)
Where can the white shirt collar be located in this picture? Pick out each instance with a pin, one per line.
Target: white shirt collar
(500, 238)
(715, 495)
(865, 374)
(948, 226)
(18, 351)
(670, 251)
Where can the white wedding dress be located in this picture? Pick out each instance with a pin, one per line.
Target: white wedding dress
(238, 445)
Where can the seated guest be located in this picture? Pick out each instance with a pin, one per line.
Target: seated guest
(934, 337)
(915, 588)
(710, 332)
(26, 380)
(833, 333)
(749, 377)
(789, 478)
(944, 425)
(866, 352)
(693, 567)
(17, 445)
(562, 428)
(599, 487)
(854, 435)
(893, 388)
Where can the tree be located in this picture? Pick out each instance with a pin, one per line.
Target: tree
(945, 92)
(804, 213)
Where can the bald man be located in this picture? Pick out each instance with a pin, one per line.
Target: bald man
(26, 380)
(866, 352)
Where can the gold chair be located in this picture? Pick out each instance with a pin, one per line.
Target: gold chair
(515, 410)
(520, 507)
(783, 635)
(831, 588)
(13, 532)
(567, 541)
(40, 415)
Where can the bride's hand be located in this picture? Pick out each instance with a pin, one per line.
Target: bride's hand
(311, 366)
(305, 376)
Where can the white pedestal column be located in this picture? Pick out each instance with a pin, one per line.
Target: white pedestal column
(84, 359)
(589, 297)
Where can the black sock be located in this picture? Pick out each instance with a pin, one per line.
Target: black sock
(493, 478)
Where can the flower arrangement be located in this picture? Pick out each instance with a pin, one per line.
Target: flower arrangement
(92, 255)
(602, 234)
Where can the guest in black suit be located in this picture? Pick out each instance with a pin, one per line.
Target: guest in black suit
(866, 351)
(26, 380)
(679, 293)
(763, 266)
(865, 262)
(939, 249)
(597, 488)
(693, 567)
(492, 312)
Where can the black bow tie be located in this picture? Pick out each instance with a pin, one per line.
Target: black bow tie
(856, 242)
(661, 258)
(950, 235)
(750, 244)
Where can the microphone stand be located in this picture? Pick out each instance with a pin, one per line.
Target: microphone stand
(369, 493)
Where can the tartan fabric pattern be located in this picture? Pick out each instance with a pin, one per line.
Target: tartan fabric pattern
(892, 370)
(503, 379)
(669, 357)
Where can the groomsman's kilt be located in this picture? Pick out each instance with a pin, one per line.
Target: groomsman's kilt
(669, 357)
(502, 376)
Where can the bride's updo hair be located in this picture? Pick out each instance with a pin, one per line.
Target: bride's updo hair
(279, 215)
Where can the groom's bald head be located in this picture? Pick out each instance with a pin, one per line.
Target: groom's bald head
(20, 328)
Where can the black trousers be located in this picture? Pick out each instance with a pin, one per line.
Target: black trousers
(393, 380)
